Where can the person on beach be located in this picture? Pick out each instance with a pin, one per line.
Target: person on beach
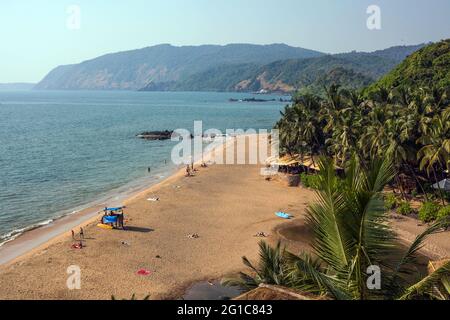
(188, 171)
(149, 169)
(73, 234)
(81, 233)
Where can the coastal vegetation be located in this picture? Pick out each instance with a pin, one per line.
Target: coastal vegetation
(392, 141)
(429, 68)
(351, 241)
(410, 124)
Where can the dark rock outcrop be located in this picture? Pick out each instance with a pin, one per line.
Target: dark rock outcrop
(155, 135)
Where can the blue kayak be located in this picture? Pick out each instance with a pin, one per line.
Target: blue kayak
(283, 215)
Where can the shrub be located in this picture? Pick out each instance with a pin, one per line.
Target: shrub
(310, 181)
(443, 212)
(390, 201)
(404, 208)
(428, 212)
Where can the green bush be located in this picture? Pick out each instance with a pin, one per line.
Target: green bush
(443, 212)
(404, 208)
(310, 181)
(390, 201)
(428, 212)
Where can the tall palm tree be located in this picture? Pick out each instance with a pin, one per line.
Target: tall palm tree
(436, 146)
(350, 235)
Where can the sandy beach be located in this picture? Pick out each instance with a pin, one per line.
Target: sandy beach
(226, 205)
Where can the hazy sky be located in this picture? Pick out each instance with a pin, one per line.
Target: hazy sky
(35, 36)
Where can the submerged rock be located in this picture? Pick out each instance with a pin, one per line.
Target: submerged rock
(155, 135)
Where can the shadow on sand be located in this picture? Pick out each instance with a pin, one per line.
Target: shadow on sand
(138, 229)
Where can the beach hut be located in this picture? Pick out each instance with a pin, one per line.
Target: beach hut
(442, 185)
(296, 163)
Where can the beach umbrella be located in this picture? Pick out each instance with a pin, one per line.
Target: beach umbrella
(443, 185)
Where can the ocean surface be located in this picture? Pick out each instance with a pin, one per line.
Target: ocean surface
(62, 151)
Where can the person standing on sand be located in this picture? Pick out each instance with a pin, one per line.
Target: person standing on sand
(81, 233)
(188, 171)
(73, 234)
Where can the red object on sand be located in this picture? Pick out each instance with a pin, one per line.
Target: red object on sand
(76, 246)
(144, 272)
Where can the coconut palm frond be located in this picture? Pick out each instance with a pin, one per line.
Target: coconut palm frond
(271, 269)
(331, 285)
(417, 244)
(245, 282)
(427, 283)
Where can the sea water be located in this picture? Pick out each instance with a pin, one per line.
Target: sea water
(60, 151)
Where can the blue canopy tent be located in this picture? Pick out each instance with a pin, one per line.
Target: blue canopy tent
(113, 216)
(114, 209)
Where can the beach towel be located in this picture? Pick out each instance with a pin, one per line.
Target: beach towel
(153, 199)
(143, 272)
(109, 219)
(283, 215)
(104, 226)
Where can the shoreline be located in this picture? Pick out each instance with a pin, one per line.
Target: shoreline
(41, 236)
(226, 205)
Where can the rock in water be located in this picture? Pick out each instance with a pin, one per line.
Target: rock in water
(155, 135)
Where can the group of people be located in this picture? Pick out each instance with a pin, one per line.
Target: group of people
(190, 171)
(113, 217)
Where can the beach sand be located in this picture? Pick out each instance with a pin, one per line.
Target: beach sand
(226, 205)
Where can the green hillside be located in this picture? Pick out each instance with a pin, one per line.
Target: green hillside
(428, 67)
(350, 70)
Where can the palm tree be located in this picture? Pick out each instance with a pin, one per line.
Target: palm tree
(271, 269)
(436, 146)
(342, 122)
(350, 235)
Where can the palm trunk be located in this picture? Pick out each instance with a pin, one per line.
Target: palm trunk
(417, 181)
(439, 187)
(400, 185)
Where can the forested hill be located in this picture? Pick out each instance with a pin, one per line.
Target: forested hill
(161, 64)
(352, 70)
(428, 67)
(235, 67)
